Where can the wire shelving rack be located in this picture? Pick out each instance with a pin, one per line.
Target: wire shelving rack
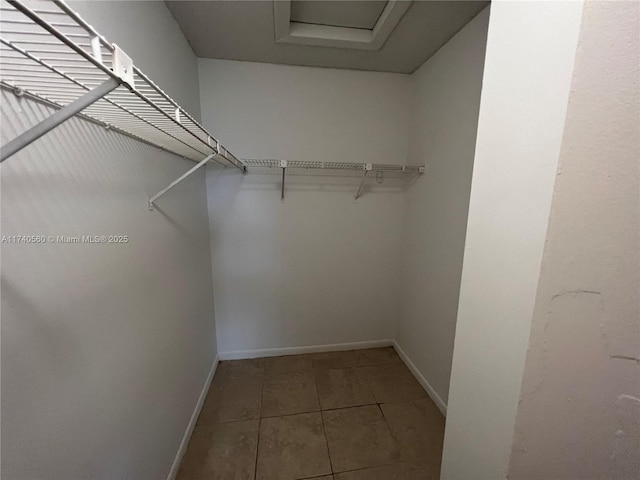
(48, 53)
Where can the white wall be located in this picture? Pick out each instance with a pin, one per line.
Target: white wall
(527, 77)
(317, 268)
(582, 374)
(445, 102)
(148, 33)
(105, 348)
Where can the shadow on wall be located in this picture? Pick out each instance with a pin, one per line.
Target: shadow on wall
(52, 344)
(99, 337)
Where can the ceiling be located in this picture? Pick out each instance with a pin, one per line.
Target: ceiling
(362, 35)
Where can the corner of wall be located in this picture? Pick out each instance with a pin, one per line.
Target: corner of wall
(520, 129)
(184, 443)
(444, 111)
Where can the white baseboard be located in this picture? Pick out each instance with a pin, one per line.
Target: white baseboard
(423, 381)
(276, 352)
(192, 423)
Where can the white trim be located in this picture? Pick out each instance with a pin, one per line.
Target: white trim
(276, 352)
(281, 18)
(338, 37)
(192, 423)
(423, 381)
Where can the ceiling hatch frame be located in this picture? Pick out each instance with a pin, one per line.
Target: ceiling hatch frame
(337, 37)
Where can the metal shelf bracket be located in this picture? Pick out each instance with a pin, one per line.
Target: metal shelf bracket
(283, 166)
(178, 180)
(367, 168)
(57, 118)
(123, 66)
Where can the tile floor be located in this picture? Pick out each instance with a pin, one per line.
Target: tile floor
(354, 415)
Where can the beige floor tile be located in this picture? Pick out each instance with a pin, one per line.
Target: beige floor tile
(288, 364)
(225, 451)
(289, 394)
(232, 399)
(377, 356)
(399, 440)
(359, 437)
(419, 428)
(241, 368)
(355, 358)
(342, 387)
(332, 359)
(392, 383)
(292, 447)
(388, 472)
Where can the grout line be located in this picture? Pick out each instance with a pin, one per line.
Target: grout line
(369, 468)
(397, 446)
(386, 421)
(291, 414)
(351, 406)
(326, 441)
(255, 469)
(315, 386)
(324, 430)
(314, 477)
(218, 422)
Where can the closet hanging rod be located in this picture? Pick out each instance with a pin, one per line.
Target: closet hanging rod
(51, 40)
(202, 163)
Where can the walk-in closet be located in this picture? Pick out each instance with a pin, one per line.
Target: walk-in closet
(331, 240)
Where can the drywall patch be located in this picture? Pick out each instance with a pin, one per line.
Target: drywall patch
(570, 352)
(625, 357)
(621, 337)
(625, 445)
(582, 421)
(556, 311)
(572, 347)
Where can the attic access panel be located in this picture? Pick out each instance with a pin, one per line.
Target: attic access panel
(363, 14)
(334, 33)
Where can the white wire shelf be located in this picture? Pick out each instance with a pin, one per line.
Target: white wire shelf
(335, 166)
(50, 53)
(348, 169)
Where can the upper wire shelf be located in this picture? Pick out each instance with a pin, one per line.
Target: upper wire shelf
(49, 52)
(336, 166)
(344, 169)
